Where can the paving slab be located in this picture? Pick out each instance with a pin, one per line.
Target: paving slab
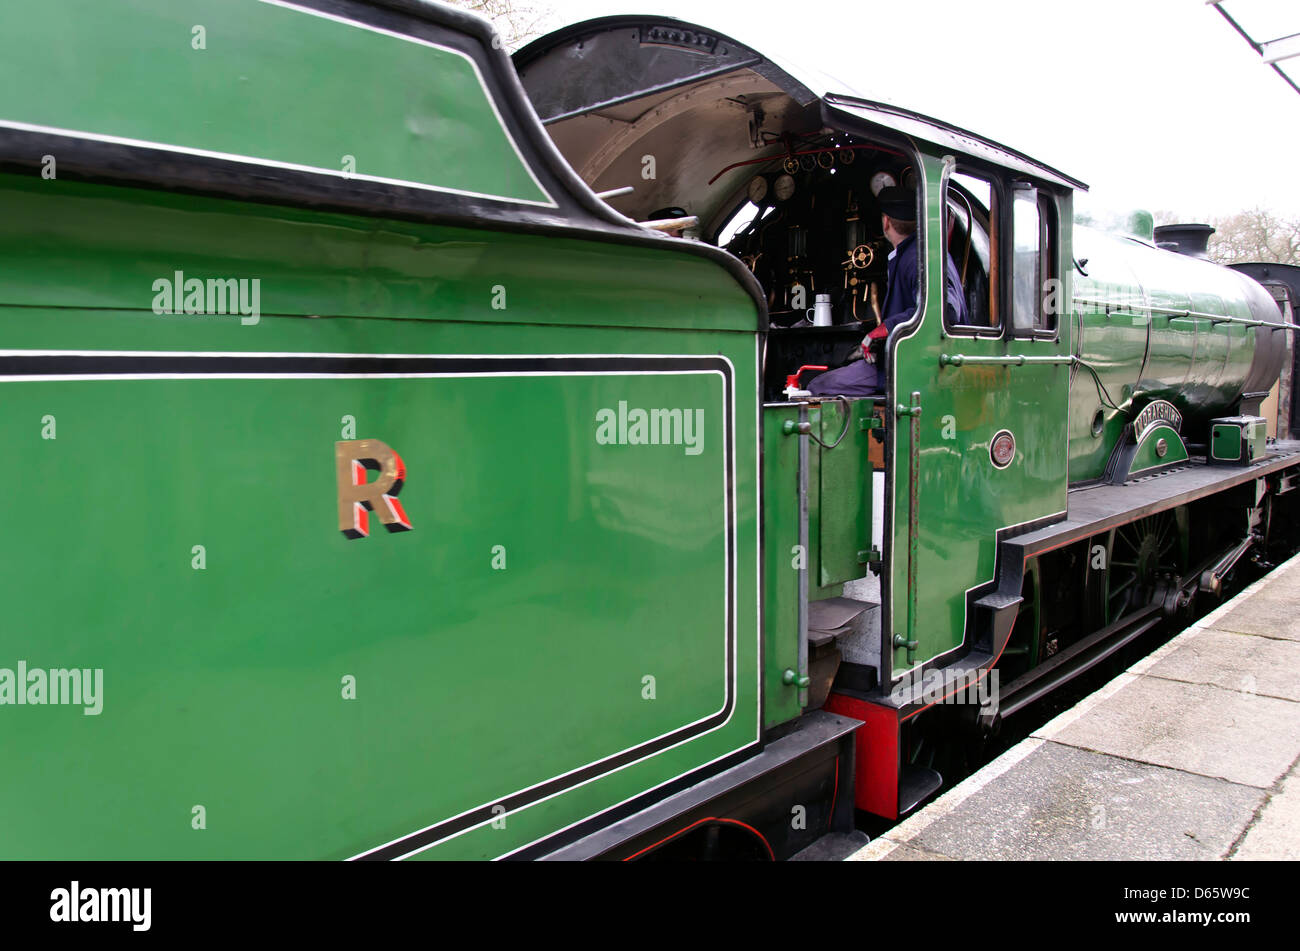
(1267, 608)
(1243, 662)
(1245, 738)
(906, 853)
(1263, 614)
(1275, 836)
(1059, 802)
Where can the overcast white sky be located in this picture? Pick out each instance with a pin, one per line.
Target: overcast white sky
(1156, 104)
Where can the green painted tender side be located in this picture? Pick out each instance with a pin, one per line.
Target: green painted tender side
(264, 82)
(480, 673)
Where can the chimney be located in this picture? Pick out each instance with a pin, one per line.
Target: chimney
(1191, 240)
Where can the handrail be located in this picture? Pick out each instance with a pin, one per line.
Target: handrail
(1182, 312)
(1017, 360)
(805, 430)
(913, 411)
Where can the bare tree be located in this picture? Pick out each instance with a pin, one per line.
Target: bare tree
(1256, 235)
(517, 21)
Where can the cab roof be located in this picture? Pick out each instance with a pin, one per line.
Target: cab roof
(617, 69)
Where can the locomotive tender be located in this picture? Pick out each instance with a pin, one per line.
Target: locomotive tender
(637, 596)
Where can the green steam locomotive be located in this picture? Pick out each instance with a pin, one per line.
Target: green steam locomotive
(279, 273)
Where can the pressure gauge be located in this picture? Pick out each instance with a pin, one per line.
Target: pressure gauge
(881, 181)
(783, 187)
(757, 189)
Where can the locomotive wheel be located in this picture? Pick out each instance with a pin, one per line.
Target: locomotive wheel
(1140, 555)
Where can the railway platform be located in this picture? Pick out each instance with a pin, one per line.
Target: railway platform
(1192, 753)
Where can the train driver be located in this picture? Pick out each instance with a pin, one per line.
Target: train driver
(898, 218)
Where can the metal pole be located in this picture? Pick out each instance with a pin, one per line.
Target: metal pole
(908, 641)
(913, 521)
(803, 549)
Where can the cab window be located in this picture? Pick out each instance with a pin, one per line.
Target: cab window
(972, 235)
(1035, 291)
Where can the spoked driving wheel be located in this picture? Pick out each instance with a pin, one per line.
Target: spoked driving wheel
(1141, 555)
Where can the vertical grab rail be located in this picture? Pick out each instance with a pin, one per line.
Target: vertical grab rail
(805, 427)
(799, 678)
(908, 640)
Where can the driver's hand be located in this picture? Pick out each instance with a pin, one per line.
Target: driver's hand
(874, 344)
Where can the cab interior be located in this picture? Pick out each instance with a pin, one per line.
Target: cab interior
(662, 118)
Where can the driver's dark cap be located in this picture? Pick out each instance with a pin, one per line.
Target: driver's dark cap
(897, 202)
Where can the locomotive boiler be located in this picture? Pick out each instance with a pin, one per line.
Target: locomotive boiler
(638, 595)
(1156, 326)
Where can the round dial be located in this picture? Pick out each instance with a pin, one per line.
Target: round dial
(757, 189)
(1003, 449)
(783, 188)
(881, 181)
